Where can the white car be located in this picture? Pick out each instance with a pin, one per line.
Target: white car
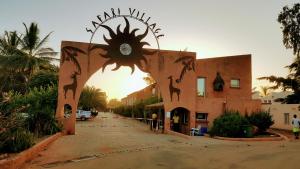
(83, 115)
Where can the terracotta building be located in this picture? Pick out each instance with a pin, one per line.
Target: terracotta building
(234, 92)
(143, 94)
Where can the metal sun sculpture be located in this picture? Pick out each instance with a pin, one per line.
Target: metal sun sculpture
(125, 48)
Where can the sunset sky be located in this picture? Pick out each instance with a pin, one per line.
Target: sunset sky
(210, 28)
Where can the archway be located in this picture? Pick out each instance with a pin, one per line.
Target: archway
(174, 71)
(180, 120)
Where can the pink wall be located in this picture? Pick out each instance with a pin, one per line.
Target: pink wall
(232, 67)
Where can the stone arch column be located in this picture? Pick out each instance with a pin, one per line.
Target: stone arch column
(174, 72)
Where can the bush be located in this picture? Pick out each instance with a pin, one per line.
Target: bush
(262, 120)
(13, 137)
(231, 124)
(43, 79)
(38, 106)
(41, 111)
(13, 141)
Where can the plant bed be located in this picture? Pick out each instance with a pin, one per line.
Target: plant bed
(267, 136)
(16, 160)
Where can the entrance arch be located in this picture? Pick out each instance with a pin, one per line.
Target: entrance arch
(174, 71)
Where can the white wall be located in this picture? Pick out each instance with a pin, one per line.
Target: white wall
(277, 110)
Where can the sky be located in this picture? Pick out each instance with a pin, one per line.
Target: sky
(211, 28)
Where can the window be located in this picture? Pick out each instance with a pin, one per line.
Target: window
(287, 118)
(235, 83)
(201, 116)
(201, 86)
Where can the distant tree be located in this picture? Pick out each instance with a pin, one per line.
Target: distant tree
(149, 79)
(113, 103)
(92, 98)
(264, 90)
(289, 19)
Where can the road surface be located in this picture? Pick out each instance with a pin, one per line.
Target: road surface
(113, 142)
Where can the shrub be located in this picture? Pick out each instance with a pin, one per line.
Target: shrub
(13, 137)
(41, 110)
(16, 140)
(231, 124)
(38, 106)
(43, 79)
(261, 119)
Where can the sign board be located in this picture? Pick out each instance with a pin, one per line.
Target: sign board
(168, 114)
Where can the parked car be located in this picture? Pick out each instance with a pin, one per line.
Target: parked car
(83, 114)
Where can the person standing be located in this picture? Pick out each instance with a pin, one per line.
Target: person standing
(296, 124)
(176, 122)
(154, 121)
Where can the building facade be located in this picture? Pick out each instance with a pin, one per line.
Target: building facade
(234, 91)
(141, 95)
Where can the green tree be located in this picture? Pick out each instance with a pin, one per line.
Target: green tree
(290, 22)
(92, 98)
(9, 43)
(44, 79)
(10, 77)
(23, 56)
(37, 56)
(114, 103)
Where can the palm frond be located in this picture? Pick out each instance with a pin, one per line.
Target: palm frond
(44, 54)
(49, 58)
(43, 41)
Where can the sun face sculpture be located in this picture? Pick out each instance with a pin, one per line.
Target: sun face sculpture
(125, 48)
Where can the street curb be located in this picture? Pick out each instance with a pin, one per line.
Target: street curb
(177, 134)
(27, 155)
(250, 139)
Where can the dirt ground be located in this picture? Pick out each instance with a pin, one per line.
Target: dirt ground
(113, 142)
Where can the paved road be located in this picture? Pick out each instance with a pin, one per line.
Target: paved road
(112, 142)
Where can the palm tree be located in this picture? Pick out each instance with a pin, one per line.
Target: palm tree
(92, 98)
(264, 90)
(23, 56)
(9, 43)
(36, 55)
(10, 76)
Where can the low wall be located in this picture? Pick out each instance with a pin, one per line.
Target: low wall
(27, 155)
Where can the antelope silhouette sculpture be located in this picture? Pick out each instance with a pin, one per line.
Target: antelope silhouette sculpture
(173, 89)
(72, 86)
